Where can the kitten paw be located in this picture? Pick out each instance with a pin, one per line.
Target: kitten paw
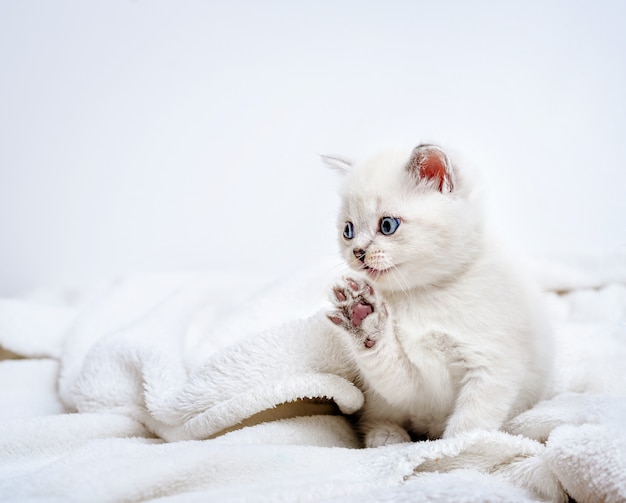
(358, 311)
(386, 435)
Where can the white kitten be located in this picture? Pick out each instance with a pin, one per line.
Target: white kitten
(446, 337)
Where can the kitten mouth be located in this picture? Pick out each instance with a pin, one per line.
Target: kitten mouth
(373, 272)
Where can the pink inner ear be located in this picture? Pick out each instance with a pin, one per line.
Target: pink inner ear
(433, 167)
(430, 163)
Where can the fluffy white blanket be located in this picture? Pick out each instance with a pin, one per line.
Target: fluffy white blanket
(223, 388)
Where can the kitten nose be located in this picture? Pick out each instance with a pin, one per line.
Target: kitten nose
(359, 253)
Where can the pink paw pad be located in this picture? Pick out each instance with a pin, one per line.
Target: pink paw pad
(360, 312)
(339, 295)
(352, 284)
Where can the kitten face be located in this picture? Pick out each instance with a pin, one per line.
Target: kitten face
(406, 221)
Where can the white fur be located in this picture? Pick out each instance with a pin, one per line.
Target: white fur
(459, 343)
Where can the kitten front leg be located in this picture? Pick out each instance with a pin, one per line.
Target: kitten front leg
(364, 318)
(484, 402)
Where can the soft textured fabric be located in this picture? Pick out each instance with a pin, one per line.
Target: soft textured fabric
(227, 388)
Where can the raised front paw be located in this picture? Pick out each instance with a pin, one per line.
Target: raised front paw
(358, 310)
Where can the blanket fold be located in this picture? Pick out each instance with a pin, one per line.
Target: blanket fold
(140, 371)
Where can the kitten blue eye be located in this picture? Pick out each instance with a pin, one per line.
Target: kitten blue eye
(348, 230)
(389, 225)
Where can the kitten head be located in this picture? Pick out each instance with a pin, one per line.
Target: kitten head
(407, 219)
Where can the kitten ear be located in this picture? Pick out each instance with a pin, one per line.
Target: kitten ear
(429, 162)
(337, 162)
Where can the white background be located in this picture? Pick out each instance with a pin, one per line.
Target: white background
(183, 135)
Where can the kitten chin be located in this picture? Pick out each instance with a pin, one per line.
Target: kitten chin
(446, 337)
